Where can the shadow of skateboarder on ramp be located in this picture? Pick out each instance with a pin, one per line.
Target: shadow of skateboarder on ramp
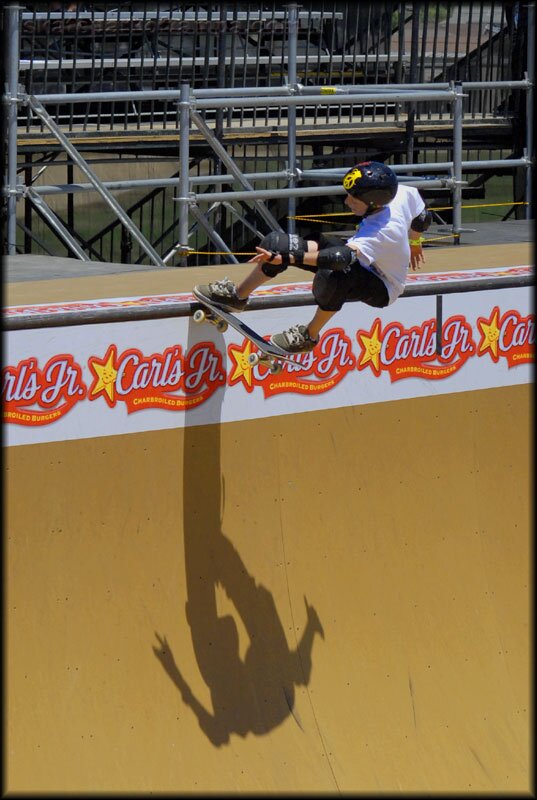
(251, 694)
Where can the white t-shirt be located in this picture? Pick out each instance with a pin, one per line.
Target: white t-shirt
(382, 239)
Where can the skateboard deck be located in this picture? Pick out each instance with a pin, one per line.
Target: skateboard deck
(269, 353)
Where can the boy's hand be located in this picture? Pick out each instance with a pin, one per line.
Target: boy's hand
(416, 256)
(265, 255)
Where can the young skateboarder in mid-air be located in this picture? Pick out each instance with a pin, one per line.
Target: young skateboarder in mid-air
(372, 266)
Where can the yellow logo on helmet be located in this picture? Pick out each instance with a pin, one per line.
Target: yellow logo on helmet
(351, 177)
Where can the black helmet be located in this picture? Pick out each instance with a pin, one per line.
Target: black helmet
(372, 183)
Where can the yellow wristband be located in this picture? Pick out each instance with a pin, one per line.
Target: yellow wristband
(416, 242)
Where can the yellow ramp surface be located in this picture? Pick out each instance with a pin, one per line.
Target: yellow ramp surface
(332, 602)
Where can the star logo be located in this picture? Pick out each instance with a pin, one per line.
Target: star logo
(490, 334)
(242, 371)
(371, 347)
(105, 376)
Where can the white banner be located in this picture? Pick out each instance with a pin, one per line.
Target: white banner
(118, 378)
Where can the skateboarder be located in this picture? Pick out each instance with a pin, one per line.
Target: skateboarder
(371, 266)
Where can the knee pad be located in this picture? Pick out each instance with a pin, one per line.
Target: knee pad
(297, 248)
(285, 245)
(275, 241)
(271, 270)
(328, 289)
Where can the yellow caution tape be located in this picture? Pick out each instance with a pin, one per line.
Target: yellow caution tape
(322, 218)
(434, 208)
(217, 253)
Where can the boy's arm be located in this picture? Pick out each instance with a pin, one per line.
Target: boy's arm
(418, 226)
(335, 257)
(416, 252)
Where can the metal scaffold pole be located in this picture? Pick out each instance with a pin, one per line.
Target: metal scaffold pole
(184, 169)
(111, 201)
(12, 75)
(457, 162)
(213, 142)
(530, 75)
(291, 113)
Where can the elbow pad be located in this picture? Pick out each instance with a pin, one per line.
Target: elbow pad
(339, 257)
(422, 221)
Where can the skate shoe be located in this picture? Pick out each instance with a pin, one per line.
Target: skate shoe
(224, 293)
(294, 340)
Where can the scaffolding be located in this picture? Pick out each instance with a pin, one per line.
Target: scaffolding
(194, 107)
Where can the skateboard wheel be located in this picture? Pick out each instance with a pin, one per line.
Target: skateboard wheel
(221, 326)
(199, 316)
(253, 359)
(275, 368)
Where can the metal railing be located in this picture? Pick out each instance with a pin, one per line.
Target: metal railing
(135, 46)
(189, 108)
(287, 102)
(185, 308)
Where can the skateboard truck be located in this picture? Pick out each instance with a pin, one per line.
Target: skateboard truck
(207, 316)
(272, 362)
(202, 315)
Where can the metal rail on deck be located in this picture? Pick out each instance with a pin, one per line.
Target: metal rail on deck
(96, 316)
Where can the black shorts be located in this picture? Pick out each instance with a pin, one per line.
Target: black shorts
(332, 288)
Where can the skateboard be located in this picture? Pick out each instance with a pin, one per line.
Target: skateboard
(269, 354)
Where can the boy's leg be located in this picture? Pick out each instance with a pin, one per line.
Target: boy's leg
(333, 288)
(252, 281)
(329, 289)
(232, 297)
(257, 277)
(320, 319)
